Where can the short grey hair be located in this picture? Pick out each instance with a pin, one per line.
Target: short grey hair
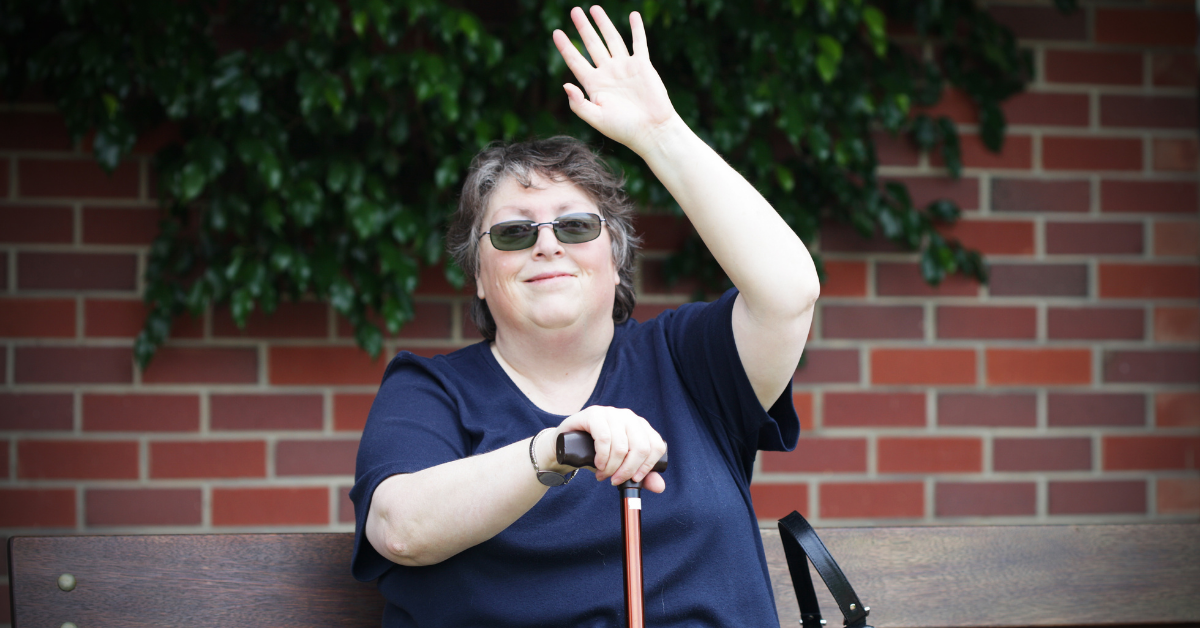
(558, 158)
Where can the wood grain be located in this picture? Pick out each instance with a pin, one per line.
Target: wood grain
(1097, 575)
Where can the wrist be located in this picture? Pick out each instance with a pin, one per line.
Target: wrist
(666, 141)
(546, 455)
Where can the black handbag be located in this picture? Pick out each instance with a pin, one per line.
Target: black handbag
(800, 545)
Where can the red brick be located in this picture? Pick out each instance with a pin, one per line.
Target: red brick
(431, 319)
(642, 312)
(837, 237)
(877, 500)
(993, 237)
(1094, 67)
(74, 365)
(828, 366)
(470, 332)
(76, 178)
(315, 457)
(662, 232)
(37, 508)
(77, 460)
(776, 501)
(1048, 109)
(1041, 22)
(213, 365)
(37, 318)
(1177, 324)
(803, 402)
(819, 455)
(1017, 153)
(1038, 367)
(350, 412)
(1177, 409)
(873, 409)
(1038, 280)
(967, 322)
(76, 271)
(1176, 239)
(955, 104)
(124, 318)
(923, 366)
(427, 352)
(1145, 27)
(34, 130)
(141, 413)
(903, 279)
(23, 411)
(267, 412)
(1149, 281)
(925, 190)
(208, 459)
(1145, 197)
(987, 410)
(1033, 195)
(1157, 367)
(1173, 69)
(346, 507)
(1094, 238)
(120, 225)
(655, 280)
(1160, 112)
(36, 225)
(985, 499)
(324, 365)
(872, 321)
(1091, 153)
(1096, 410)
(1179, 496)
(1089, 497)
(270, 506)
(1175, 154)
(290, 320)
(3, 266)
(895, 151)
(929, 455)
(432, 281)
(1041, 454)
(143, 507)
(1151, 453)
(844, 279)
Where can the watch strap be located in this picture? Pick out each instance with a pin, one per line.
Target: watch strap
(547, 478)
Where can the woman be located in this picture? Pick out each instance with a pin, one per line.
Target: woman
(456, 513)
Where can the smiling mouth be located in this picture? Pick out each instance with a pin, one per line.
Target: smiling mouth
(546, 277)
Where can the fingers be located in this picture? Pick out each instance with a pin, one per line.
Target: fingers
(616, 43)
(575, 61)
(627, 447)
(639, 34)
(591, 40)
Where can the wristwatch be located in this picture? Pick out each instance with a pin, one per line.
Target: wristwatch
(548, 478)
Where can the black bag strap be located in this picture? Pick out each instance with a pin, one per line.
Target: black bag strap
(800, 545)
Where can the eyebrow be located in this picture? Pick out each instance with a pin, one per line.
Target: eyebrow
(561, 210)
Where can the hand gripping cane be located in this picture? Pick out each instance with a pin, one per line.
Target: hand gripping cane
(579, 450)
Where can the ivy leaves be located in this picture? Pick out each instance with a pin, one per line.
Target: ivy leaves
(320, 144)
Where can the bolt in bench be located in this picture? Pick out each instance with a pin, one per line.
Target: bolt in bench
(1070, 575)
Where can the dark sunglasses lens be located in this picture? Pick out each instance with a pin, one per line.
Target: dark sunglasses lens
(577, 228)
(513, 236)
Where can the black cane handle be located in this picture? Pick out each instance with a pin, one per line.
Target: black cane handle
(577, 449)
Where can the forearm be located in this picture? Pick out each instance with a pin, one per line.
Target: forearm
(426, 517)
(757, 250)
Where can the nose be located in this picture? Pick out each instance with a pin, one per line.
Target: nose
(547, 243)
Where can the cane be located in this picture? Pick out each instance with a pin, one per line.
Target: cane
(577, 449)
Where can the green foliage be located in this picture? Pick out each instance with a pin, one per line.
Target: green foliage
(321, 143)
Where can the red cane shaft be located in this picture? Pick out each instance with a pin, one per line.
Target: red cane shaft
(631, 528)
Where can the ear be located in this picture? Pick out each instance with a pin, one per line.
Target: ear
(479, 288)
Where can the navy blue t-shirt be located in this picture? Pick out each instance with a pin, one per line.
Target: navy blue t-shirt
(560, 563)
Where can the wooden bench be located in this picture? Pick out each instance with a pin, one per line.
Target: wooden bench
(1070, 575)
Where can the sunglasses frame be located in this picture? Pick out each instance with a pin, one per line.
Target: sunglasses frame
(553, 224)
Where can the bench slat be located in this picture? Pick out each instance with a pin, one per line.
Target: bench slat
(1099, 575)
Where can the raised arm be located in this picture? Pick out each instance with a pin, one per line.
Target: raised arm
(773, 271)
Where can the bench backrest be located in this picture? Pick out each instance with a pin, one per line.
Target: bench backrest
(1114, 575)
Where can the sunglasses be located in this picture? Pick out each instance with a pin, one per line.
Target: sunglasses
(515, 235)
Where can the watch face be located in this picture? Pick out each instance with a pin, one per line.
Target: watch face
(550, 478)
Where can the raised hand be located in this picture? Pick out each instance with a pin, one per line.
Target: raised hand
(626, 100)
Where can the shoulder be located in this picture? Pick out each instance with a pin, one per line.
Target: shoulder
(407, 368)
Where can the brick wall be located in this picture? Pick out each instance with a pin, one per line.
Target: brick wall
(1067, 390)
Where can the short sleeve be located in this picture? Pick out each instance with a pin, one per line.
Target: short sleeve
(700, 339)
(413, 425)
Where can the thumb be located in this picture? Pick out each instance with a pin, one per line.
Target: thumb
(587, 110)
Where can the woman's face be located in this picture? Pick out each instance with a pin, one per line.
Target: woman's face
(550, 285)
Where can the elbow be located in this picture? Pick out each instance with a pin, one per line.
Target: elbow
(401, 548)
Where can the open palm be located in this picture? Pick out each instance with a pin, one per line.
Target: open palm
(627, 100)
